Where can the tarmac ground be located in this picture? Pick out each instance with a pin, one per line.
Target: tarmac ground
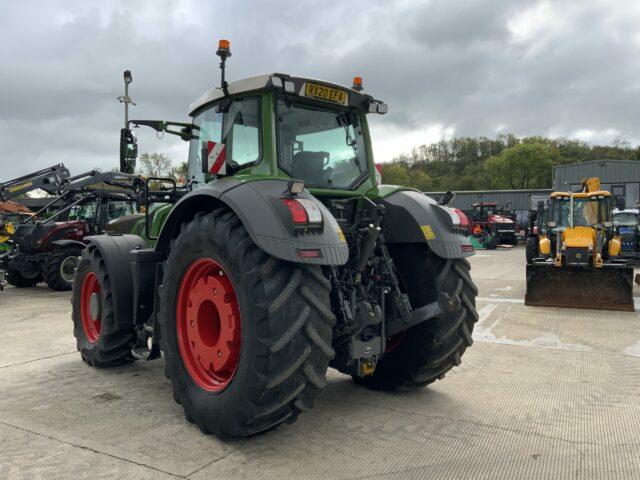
(542, 393)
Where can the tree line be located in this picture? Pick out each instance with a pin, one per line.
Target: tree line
(504, 162)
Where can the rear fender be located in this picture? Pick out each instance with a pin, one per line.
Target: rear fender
(115, 251)
(265, 217)
(413, 217)
(615, 247)
(545, 245)
(68, 243)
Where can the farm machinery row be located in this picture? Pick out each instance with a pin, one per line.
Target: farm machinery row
(48, 249)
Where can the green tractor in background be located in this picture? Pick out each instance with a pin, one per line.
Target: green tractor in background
(283, 257)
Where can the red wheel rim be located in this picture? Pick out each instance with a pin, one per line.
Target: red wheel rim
(90, 316)
(208, 325)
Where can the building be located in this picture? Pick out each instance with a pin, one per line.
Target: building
(518, 200)
(620, 177)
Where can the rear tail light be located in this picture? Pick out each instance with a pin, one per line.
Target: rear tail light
(304, 212)
(298, 213)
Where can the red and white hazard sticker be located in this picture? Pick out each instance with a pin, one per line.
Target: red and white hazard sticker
(216, 158)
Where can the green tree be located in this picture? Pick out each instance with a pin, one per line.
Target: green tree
(154, 165)
(527, 165)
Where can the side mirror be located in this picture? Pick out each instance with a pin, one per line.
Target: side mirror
(447, 197)
(128, 151)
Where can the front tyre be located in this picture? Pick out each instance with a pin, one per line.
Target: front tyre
(531, 249)
(425, 352)
(22, 280)
(99, 339)
(59, 268)
(246, 337)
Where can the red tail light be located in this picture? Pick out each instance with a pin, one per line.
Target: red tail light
(298, 212)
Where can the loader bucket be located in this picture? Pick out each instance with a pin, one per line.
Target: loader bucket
(609, 287)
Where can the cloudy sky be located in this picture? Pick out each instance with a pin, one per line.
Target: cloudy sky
(445, 67)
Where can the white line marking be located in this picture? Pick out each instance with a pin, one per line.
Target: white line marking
(501, 300)
(633, 350)
(506, 289)
(485, 311)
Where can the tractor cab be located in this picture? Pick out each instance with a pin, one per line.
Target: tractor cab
(483, 210)
(284, 126)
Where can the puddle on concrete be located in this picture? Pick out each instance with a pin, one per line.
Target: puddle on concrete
(484, 333)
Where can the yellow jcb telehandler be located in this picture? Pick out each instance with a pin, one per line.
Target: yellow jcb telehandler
(576, 262)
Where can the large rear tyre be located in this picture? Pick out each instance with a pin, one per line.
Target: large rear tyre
(424, 353)
(20, 280)
(531, 249)
(246, 337)
(99, 339)
(60, 266)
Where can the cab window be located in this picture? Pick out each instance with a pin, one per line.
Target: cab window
(117, 209)
(239, 130)
(86, 211)
(323, 147)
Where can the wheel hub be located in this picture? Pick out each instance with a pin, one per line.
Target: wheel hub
(208, 325)
(90, 313)
(68, 268)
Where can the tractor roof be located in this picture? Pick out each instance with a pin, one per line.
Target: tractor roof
(331, 94)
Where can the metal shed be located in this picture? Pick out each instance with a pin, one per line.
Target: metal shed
(620, 177)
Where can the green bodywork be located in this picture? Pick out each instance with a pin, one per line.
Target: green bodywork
(268, 168)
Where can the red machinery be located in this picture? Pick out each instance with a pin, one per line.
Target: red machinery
(487, 217)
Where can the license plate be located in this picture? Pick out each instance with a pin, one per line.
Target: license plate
(313, 90)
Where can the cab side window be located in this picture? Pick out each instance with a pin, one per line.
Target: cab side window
(208, 129)
(238, 130)
(241, 133)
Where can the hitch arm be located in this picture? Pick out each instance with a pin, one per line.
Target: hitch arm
(185, 132)
(445, 303)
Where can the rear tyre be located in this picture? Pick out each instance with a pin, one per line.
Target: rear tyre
(531, 249)
(99, 339)
(424, 353)
(60, 266)
(20, 280)
(246, 337)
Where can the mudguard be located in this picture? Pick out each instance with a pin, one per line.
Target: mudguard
(66, 243)
(266, 218)
(115, 251)
(413, 217)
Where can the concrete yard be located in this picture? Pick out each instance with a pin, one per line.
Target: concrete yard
(543, 393)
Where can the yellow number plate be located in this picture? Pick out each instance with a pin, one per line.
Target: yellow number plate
(313, 90)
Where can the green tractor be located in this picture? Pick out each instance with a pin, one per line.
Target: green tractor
(283, 257)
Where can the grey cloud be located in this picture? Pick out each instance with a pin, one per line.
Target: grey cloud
(435, 62)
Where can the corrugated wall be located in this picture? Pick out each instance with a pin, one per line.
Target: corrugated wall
(620, 177)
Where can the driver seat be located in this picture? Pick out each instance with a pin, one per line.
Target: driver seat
(309, 166)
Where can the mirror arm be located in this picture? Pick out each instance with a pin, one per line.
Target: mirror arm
(185, 132)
